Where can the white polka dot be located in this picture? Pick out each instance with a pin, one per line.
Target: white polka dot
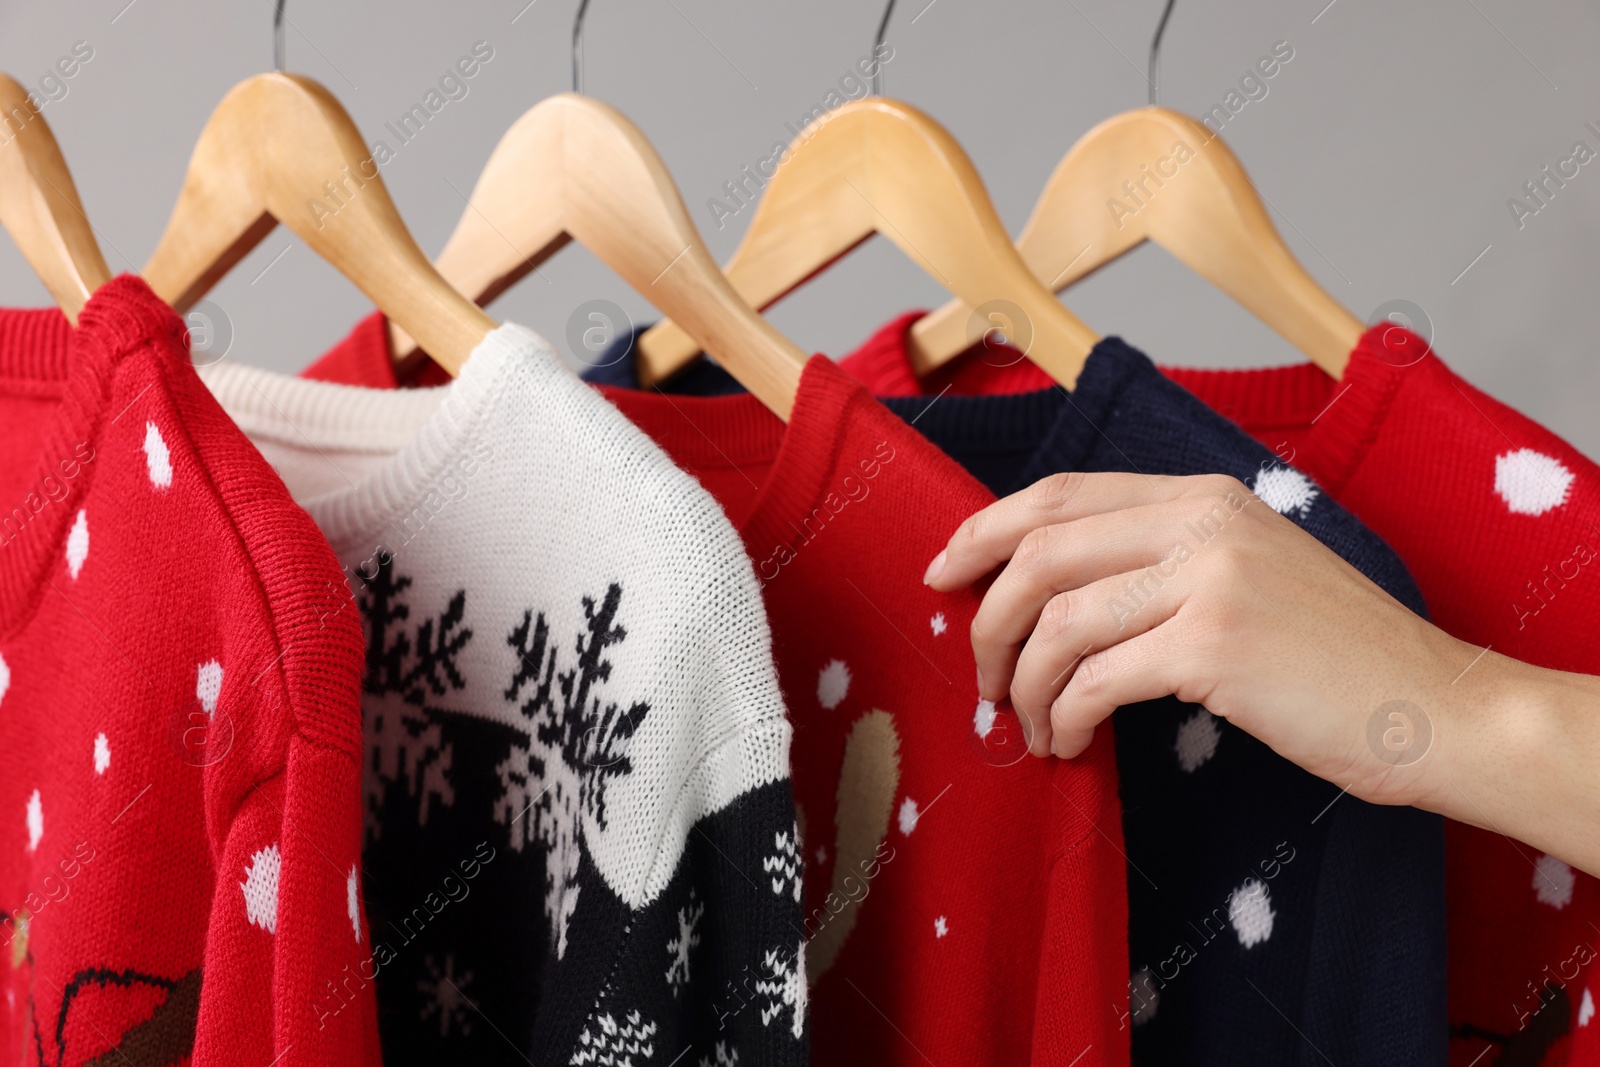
(822, 854)
(909, 816)
(940, 927)
(1585, 1008)
(938, 625)
(833, 682)
(352, 902)
(1285, 490)
(260, 887)
(1197, 739)
(208, 686)
(1250, 912)
(102, 753)
(156, 457)
(35, 821)
(1144, 997)
(1531, 483)
(78, 544)
(1553, 881)
(983, 718)
(5, 677)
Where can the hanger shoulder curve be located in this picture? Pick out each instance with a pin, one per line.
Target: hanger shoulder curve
(39, 205)
(881, 166)
(1154, 174)
(573, 168)
(280, 148)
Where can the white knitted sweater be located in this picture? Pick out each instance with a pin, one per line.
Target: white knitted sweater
(570, 693)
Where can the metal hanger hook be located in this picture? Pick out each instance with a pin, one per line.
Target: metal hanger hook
(277, 36)
(1154, 77)
(877, 42)
(577, 46)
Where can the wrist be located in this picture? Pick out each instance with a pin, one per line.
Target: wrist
(1516, 750)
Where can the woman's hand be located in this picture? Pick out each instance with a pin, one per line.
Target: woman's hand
(1118, 588)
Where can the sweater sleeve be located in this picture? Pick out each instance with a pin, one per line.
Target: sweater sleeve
(288, 972)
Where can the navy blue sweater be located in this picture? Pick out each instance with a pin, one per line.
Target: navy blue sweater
(1273, 920)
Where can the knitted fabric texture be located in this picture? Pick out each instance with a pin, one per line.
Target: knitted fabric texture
(1212, 817)
(580, 833)
(1243, 869)
(1497, 518)
(964, 903)
(180, 683)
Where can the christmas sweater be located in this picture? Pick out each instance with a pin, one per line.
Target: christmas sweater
(1497, 518)
(1333, 912)
(963, 902)
(580, 835)
(179, 684)
(1338, 921)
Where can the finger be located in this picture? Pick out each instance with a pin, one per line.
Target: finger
(1080, 623)
(1051, 560)
(1146, 667)
(989, 537)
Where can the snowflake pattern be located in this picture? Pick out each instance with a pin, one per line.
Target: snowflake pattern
(679, 947)
(784, 988)
(784, 862)
(723, 1055)
(616, 1042)
(444, 997)
(404, 741)
(555, 782)
(938, 625)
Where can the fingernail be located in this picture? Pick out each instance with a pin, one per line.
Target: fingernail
(935, 569)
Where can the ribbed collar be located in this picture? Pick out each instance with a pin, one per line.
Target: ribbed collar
(423, 430)
(1341, 417)
(724, 431)
(41, 353)
(1059, 427)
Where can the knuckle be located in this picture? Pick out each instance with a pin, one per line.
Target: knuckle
(1057, 618)
(1053, 492)
(1092, 676)
(1034, 550)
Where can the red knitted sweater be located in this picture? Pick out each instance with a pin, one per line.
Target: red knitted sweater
(179, 683)
(1498, 521)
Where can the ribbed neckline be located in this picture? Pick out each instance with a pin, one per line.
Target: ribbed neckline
(423, 430)
(40, 349)
(1341, 418)
(729, 431)
(1059, 426)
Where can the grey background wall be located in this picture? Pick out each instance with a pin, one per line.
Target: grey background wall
(1388, 148)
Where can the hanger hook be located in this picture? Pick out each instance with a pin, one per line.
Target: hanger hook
(1155, 55)
(577, 46)
(277, 35)
(877, 42)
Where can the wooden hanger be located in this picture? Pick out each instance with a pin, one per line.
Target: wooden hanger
(280, 148)
(572, 168)
(881, 166)
(39, 205)
(1204, 210)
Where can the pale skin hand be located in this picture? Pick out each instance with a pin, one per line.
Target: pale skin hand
(1118, 588)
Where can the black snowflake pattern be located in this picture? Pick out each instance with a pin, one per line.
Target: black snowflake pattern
(410, 674)
(574, 745)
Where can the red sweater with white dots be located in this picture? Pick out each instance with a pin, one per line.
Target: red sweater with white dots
(964, 902)
(1498, 521)
(180, 691)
